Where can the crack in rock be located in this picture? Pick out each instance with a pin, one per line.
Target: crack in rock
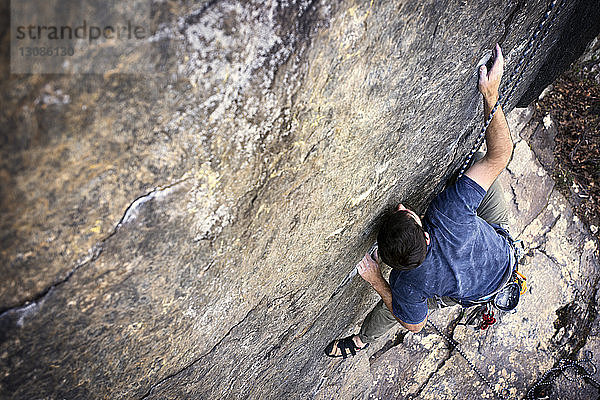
(514, 193)
(545, 208)
(440, 365)
(549, 257)
(574, 323)
(321, 381)
(509, 20)
(390, 344)
(38, 299)
(194, 362)
(92, 255)
(451, 347)
(544, 236)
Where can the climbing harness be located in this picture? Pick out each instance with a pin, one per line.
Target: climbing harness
(585, 368)
(504, 299)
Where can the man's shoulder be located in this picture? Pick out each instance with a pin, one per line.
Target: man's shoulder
(461, 188)
(457, 202)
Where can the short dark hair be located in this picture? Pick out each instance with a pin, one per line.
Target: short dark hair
(401, 241)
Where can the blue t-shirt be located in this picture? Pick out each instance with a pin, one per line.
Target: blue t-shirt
(466, 258)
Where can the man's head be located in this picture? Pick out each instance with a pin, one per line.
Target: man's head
(402, 240)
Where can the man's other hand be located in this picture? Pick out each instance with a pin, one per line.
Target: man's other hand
(369, 269)
(489, 82)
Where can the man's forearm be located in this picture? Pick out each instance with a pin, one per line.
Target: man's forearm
(384, 290)
(497, 137)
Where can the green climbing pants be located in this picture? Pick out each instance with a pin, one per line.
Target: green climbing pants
(492, 209)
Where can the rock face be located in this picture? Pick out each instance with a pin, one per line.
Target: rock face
(181, 235)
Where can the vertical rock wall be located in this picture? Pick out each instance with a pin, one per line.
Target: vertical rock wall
(181, 235)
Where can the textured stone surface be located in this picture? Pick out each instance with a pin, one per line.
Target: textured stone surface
(181, 235)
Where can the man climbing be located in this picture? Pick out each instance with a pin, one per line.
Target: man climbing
(458, 252)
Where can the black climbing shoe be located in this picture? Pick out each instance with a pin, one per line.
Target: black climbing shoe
(343, 344)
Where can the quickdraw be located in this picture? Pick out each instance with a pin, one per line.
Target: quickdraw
(483, 315)
(487, 319)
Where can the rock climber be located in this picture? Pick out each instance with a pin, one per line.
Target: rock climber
(457, 252)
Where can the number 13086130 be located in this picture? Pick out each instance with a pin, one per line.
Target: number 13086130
(46, 51)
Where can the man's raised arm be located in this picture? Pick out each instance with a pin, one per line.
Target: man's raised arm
(497, 135)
